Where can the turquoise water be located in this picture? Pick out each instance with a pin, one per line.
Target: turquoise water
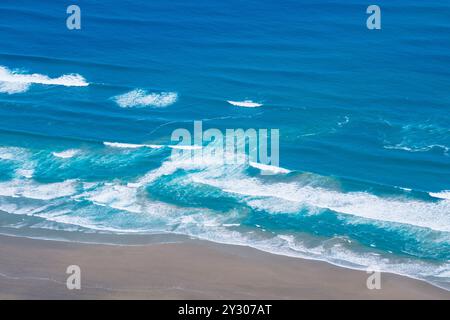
(363, 118)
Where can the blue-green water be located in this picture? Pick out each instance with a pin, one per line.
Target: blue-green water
(363, 117)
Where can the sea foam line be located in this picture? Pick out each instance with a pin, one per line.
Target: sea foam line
(12, 82)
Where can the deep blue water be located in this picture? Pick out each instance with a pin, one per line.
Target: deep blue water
(363, 115)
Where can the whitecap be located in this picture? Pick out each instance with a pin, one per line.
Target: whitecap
(66, 154)
(245, 104)
(141, 98)
(12, 82)
(131, 145)
(14, 153)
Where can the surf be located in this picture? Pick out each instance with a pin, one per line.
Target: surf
(141, 98)
(12, 82)
(245, 104)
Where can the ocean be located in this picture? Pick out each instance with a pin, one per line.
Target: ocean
(86, 118)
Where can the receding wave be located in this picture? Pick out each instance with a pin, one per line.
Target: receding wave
(12, 82)
(141, 98)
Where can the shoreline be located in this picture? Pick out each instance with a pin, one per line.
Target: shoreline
(193, 269)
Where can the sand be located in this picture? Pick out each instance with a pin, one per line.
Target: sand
(193, 269)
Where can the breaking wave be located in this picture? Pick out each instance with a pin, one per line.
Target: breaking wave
(245, 104)
(141, 98)
(217, 202)
(12, 82)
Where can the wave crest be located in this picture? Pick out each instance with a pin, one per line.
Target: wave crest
(12, 82)
(245, 104)
(140, 98)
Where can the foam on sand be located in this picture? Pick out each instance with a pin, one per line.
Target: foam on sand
(141, 98)
(12, 82)
(245, 104)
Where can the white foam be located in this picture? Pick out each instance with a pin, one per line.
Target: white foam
(6, 154)
(13, 87)
(269, 168)
(245, 104)
(131, 145)
(442, 195)
(141, 98)
(32, 190)
(128, 197)
(335, 250)
(185, 147)
(66, 154)
(431, 215)
(13, 153)
(20, 156)
(12, 82)
(205, 224)
(166, 168)
(26, 173)
(115, 196)
(21, 209)
(403, 188)
(152, 146)
(292, 196)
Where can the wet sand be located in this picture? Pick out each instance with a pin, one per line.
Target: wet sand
(36, 269)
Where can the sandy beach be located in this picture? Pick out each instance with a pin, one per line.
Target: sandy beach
(36, 269)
